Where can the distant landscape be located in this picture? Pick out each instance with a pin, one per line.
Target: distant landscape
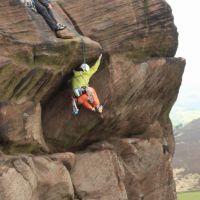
(187, 106)
(187, 157)
(189, 196)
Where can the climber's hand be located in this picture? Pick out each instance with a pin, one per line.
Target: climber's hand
(93, 109)
(50, 6)
(100, 56)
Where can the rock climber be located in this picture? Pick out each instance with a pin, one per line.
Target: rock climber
(44, 8)
(83, 94)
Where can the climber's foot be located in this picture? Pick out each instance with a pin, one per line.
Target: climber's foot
(99, 109)
(60, 27)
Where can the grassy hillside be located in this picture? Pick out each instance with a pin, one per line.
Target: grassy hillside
(188, 196)
(186, 158)
(188, 147)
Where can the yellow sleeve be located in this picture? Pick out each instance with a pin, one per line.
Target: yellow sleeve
(94, 68)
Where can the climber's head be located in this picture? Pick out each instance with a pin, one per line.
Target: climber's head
(85, 67)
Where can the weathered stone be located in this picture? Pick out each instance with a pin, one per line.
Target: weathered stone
(138, 82)
(99, 146)
(135, 96)
(38, 61)
(20, 127)
(34, 178)
(64, 34)
(68, 159)
(99, 175)
(138, 28)
(148, 172)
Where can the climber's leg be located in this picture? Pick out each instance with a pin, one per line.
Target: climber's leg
(96, 101)
(51, 14)
(59, 25)
(83, 99)
(42, 10)
(74, 106)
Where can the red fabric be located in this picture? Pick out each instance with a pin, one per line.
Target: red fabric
(84, 100)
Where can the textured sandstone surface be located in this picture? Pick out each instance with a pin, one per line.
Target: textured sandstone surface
(105, 182)
(139, 28)
(117, 157)
(140, 167)
(148, 172)
(34, 60)
(132, 103)
(21, 126)
(32, 178)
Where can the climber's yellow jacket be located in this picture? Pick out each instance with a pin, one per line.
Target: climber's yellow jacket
(82, 78)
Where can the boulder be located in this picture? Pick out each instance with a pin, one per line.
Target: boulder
(148, 171)
(34, 178)
(99, 175)
(20, 127)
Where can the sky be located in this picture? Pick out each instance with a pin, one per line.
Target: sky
(186, 18)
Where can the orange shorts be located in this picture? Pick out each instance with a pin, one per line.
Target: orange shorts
(89, 100)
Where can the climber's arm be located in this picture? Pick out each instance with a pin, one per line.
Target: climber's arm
(95, 67)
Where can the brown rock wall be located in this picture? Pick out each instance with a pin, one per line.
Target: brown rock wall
(140, 28)
(135, 96)
(138, 82)
(38, 60)
(148, 171)
(132, 169)
(20, 127)
(34, 178)
(99, 175)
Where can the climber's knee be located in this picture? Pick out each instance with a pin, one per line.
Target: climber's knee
(42, 10)
(96, 101)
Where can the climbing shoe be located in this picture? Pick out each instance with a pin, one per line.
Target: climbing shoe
(60, 26)
(99, 108)
(75, 112)
(93, 109)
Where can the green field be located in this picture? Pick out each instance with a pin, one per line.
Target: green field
(188, 196)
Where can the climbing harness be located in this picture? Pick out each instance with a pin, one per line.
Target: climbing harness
(89, 93)
(71, 28)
